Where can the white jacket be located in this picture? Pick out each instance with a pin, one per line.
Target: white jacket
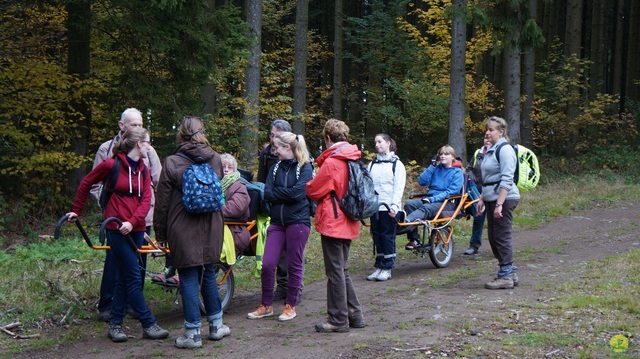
(390, 186)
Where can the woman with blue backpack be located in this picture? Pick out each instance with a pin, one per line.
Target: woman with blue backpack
(290, 225)
(193, 227)
(389, 177)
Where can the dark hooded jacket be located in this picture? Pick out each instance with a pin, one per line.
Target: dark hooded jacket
(194, 239)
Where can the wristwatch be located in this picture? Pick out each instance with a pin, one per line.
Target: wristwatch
(498, 204)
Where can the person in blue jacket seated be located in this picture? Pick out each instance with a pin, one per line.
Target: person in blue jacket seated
(443, 179)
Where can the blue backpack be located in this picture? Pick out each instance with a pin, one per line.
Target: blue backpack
(201, 188)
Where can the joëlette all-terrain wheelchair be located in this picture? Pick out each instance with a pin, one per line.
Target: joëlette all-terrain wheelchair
(436, 234)
(257, 226)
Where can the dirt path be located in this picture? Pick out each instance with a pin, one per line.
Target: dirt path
(420, 312)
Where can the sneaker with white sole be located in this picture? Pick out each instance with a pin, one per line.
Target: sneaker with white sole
(261, 312)
(500, 283)
(288, 313)
(154, 332)
(218, 332)
(116, 334)
(385, 274)
(190, 340)
(375, 274)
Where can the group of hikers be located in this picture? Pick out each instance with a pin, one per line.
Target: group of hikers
(147, 193)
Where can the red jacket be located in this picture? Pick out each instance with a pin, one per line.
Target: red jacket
(333, 176)
(132, 208)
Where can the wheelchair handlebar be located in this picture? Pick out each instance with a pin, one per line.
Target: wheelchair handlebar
(64, 218)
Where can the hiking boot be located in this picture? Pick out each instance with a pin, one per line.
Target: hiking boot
(356, 322)
(375, 274)
(500, 283)
(219, 332)
(191, 339)
(104, 316)
(159, 278)
(154, 332)
(116, 334)
(261, 312)
(412, 245)
(174, 280)
(516, 281)
(470, 251)
(385, 274)
(330, 328)
(288, 313)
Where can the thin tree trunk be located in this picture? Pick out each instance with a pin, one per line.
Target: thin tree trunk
(512, 92)
(528, 86)
(78, 63)
(457, 109)
(573, 47)
(249, 134)
(337, 59)
(300, 74)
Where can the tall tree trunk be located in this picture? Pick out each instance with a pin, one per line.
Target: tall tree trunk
(337, 59)
(573, 47)
(457, 110)
(598, 48)
(512, 92)
(249, 135)
(624, 53)
(528, 86)
(633, 90)
(208, 91)
(78, 63)
(300, 74)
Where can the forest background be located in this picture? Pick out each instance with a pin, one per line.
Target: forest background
(564, 73)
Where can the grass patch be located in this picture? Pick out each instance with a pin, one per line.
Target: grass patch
(46, 278)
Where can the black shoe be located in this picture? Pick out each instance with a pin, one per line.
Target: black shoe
(104, 316)
(470, 251)
(400, 216)
(356, 323)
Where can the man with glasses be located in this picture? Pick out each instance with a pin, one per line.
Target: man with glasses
(131, 117)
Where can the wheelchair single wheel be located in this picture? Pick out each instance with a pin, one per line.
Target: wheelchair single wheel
(226, 284)
(441, 243)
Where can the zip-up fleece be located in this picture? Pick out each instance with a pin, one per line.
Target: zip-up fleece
(132, 207)
(285, 190)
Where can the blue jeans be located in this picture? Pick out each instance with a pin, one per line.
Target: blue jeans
(128, 288)
(383, 229)
(476, 233)
(108, 283)
(190, 289)
(293, 238)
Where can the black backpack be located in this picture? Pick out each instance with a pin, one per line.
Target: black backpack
(109, 185)
(361, 199)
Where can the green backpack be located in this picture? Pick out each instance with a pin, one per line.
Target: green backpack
(527, 172)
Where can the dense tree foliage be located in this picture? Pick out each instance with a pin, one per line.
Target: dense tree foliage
(383, 66)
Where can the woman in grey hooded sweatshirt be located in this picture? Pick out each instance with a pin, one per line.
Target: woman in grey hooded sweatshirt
(500, 195)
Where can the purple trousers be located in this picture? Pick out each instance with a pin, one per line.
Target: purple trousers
(293, 238)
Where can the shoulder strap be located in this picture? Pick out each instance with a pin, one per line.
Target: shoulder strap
(184, 155)
(393, 167)
(498, 150)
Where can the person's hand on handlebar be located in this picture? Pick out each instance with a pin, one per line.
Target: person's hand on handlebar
(72, 217)
(126, 228)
